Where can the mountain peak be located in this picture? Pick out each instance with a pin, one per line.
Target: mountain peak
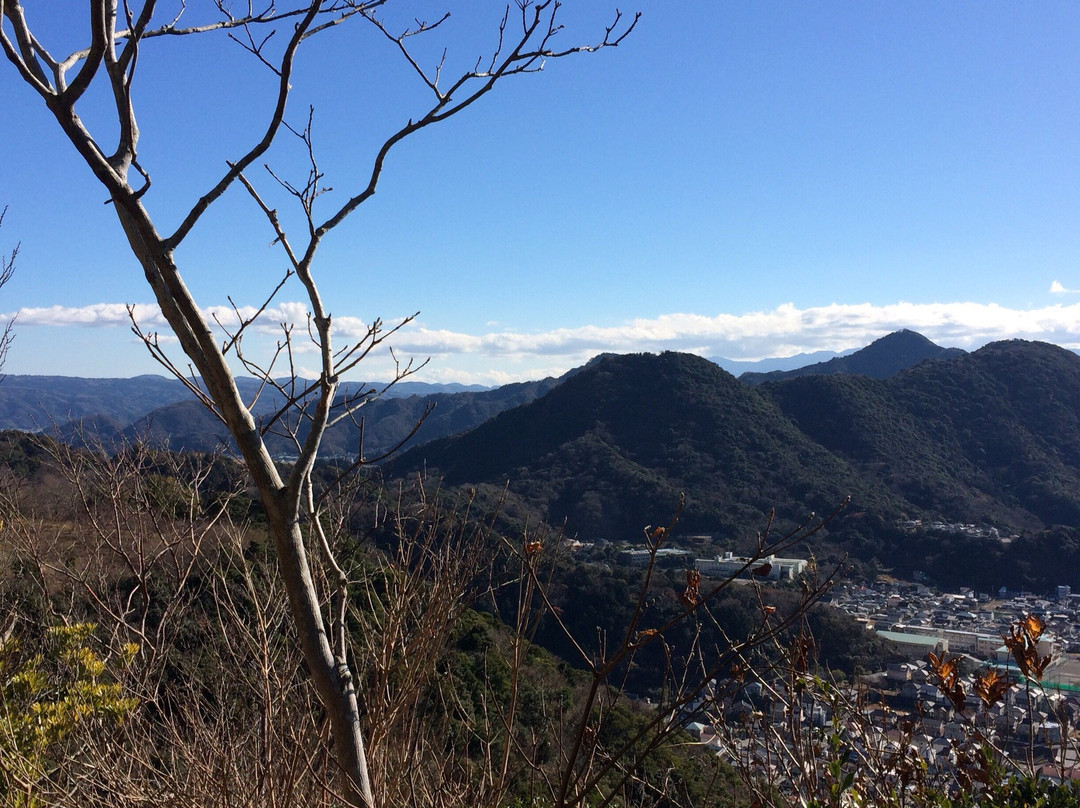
(882, 358)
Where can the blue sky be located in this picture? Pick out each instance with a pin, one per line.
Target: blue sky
(736, 179)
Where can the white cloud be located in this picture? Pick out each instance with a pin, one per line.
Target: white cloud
(497, 357)
(96, 315)
(1057, 289)
(783, 331)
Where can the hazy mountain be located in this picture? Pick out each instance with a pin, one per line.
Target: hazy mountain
(188, 426)
(880, 359)
(35, 403)
(736, 367)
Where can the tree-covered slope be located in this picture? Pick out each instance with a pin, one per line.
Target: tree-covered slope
(989, 436)
(610, 449)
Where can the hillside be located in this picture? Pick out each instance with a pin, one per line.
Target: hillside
(992, 436)
(610, 449)
(880, 359)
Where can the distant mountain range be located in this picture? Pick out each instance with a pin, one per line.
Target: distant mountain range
(905, 428)
(37, 403)
(737, 367)
(162, 410)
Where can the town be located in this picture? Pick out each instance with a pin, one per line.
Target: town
(932, 704)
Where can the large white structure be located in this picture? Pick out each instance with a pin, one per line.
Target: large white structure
(771, 567)
(961, 642)
(637, 557)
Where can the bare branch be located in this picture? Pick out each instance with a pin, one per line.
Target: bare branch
(400, 41)
(7, 270)
(25, 57)
(256, 48)
(287, 496)
(236, 168)
(153, 345)
(101, 27)
(521, 59)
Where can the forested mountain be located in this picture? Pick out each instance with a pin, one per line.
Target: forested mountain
(610, 449)
(991, 437)
(162, 410)
(880, 359)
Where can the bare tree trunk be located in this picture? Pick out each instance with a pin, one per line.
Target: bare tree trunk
(331, 675)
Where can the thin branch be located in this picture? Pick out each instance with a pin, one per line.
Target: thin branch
(7, 270)
(150, 340)
(516, 62)
(236, 168)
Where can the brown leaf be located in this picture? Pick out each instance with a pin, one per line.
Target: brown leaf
(947, 678)
(1033, 627)
(990, 687)
(690, 595)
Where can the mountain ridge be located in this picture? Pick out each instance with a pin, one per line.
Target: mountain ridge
(882, 358)
(627, 435)
(162, 408)
(991, 437)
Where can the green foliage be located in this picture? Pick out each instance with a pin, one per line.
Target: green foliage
(22, 454)
(674, 775)
(46, 696)
(1015, 792)
(844, 644)
(597, 603)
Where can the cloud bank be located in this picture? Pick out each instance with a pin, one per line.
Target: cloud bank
(500, 356)
(784, 331)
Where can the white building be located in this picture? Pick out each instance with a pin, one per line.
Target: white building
(769, 568)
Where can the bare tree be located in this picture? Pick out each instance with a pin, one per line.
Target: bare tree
(121, 36)
(7, 269)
